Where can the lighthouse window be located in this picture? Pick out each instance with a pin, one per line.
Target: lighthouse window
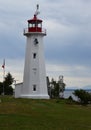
(34, 87)
(34, 70)
(36, 41)
(34, 55)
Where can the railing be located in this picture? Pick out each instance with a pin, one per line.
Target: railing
(34, 30)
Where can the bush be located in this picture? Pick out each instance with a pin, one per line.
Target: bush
(70, 98)
(83, 96)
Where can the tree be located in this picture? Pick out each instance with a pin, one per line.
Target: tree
(83, 96)
(8, 90)
(1, 88)
(48, 85)
(8, 79)
(57, 87)
(61, 85)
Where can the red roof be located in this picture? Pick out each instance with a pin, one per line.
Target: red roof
(35, 19)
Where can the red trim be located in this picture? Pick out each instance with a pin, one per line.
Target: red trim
(34, 29)
(34, 20)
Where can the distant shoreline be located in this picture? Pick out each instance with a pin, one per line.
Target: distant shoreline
(68, 89)
(69, 92)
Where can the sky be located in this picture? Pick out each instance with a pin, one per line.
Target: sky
(67, 44)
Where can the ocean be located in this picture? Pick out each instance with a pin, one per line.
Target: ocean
(69, 92)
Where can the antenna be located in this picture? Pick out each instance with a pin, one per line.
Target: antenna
(37, 10)
(37, 6)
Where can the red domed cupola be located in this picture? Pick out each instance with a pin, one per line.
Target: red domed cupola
(35, 24)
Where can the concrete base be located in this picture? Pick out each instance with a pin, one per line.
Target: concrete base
(18, 93)
(35, 96)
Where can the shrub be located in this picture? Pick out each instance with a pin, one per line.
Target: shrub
(83, 96)
(70, 98)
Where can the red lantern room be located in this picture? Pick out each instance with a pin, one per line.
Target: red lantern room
(35, 24)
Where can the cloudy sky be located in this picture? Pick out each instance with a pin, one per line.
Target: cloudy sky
(67, 44)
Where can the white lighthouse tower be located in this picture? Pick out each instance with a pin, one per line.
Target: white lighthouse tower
(34, 81)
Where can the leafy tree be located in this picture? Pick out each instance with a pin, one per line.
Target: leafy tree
(62, 87)
(57, 87)
(83, 96)
(56, 90)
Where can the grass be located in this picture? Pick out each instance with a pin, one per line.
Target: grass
(28, 114)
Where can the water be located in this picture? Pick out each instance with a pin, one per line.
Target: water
(69, 92)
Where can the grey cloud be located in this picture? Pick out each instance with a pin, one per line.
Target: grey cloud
(67, 43)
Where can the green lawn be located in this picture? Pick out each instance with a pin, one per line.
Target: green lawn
(28, 114)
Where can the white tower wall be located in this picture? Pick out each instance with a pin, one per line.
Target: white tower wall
(34, 81)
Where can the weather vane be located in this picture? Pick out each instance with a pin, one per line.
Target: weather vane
(37, 10)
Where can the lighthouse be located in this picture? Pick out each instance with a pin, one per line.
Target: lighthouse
(34, 81)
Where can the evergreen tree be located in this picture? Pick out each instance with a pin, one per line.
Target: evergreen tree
(1, 88)
(6, 85)
(8, 79)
